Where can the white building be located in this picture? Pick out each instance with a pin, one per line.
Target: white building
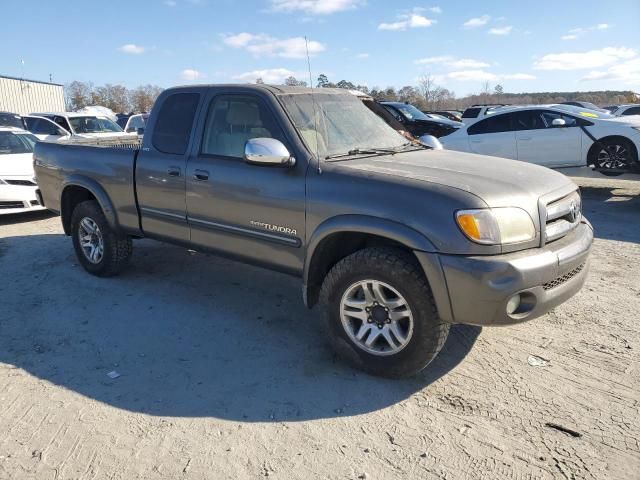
(23, 96)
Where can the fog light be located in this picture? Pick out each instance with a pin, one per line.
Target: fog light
(513, 304)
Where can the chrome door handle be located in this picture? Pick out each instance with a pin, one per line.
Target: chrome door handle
(201, 175)
(173, 171)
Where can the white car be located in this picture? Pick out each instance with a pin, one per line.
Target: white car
(553, 136)
(67, 126)
(624, 110)
(17, 183)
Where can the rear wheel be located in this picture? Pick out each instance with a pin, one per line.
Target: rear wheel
(380, 314)
(614, 155)
(100, 250)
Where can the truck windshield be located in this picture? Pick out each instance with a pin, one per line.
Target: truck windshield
(410, 112)
(334, 124)
(12, 143)
(93, 125)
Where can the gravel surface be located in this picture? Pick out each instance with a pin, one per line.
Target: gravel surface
(190, 366)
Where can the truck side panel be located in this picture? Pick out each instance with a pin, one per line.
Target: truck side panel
(60, 166)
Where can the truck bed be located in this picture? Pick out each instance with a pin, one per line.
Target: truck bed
(106, 166)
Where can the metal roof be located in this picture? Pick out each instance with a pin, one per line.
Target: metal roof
(32, 81)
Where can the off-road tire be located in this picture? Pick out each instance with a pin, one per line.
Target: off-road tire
(117, 247)
(400, 270)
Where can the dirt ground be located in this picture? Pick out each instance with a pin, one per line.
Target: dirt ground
(224, 373)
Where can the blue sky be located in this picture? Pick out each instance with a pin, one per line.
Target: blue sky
(533, 46)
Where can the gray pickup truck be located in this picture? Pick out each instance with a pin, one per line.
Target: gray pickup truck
(395, 241)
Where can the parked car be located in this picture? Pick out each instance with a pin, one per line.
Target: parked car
(78, 126)
(17, 183)
(419, 124)
(587, 105)
(396, 242)
(624, 110)
(454, 115)
(131, 123)
(553, 136)
(9, 119)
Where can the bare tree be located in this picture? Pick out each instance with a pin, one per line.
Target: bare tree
(427, 88)
(77, 95)
(294, 82)
(142, 98)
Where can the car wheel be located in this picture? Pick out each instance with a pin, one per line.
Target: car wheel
(379, 313)
(100, 250)
(614, 155)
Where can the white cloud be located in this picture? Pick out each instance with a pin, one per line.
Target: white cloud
(362, 55)
(452, 62)
(264, 45)
(501, 30)
(484, 76)
(132, 49)
(408, 20)
(569, 37)
(477, 21)
(627, 72)
(435, 9)
(584, 60)
(315, 7)
(270, 75)
(574, 33)
(191, 75)
(602, 26)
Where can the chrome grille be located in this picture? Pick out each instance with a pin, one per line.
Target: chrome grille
(562, 216)
(556, 282)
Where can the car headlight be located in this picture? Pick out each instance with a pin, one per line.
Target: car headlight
(495, 226)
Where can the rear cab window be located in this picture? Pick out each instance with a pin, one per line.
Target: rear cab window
(174, 124)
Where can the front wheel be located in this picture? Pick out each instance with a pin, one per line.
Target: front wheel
(100, 250)
(380, 314)
(613, 157)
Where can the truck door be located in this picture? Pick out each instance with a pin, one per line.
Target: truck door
(161, 165)
(248, 211)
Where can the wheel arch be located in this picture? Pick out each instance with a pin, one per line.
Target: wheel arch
(341, 236)
(77, 189)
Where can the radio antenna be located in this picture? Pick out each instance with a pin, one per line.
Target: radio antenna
(313, 100)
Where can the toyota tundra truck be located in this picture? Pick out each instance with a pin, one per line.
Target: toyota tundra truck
(394, 241)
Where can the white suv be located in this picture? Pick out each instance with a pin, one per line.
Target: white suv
(553, 136)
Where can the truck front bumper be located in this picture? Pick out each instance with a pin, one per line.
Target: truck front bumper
(509, 288)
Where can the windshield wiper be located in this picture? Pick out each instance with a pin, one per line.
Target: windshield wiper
(363, 151)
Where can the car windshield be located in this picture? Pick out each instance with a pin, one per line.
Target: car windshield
(582, 112)
(334, 124)
(410, 112)
(93, 125)
(12, 143)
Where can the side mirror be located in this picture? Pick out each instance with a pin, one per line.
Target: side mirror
(431, 142)
(558, 122)
(267, 151)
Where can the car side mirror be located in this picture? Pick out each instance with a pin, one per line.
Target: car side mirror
(431, 142)
(558, 122)
(267, 151)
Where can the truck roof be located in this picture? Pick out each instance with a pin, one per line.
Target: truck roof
(274, 89)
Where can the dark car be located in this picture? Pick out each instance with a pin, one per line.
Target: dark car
(8, 119)
(587, 105)
(450, 114)
(418, 123)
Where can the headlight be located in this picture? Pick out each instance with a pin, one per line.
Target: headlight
(494, 226)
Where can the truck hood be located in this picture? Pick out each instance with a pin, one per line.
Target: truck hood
(16, 165)
(497, 181)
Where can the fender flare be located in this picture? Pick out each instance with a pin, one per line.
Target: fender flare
(97, 191)
(380, 227)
